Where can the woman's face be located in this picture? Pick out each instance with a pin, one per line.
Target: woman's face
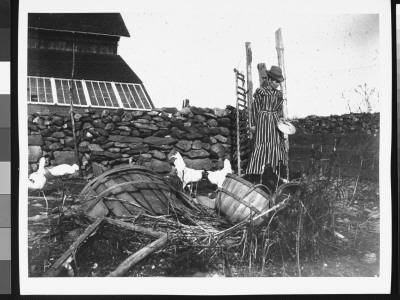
(273, 82)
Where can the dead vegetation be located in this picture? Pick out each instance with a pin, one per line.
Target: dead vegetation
(330, 227)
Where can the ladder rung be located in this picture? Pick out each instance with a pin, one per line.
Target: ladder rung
(242, 89)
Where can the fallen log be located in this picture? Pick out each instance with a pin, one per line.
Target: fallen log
(162, 240)
(139, 255)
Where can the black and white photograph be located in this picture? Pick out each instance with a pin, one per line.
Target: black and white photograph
(204, 147)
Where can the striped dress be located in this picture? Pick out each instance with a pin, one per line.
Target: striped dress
(268, 147)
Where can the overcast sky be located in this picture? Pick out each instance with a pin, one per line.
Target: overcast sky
(187, 49)
(190, 53)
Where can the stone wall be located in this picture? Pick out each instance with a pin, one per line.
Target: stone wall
(343, 124)
(147, 137)
(203, 136)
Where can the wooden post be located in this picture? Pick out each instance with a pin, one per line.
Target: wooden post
(281, 62)
(185, 103)
(262, 72)
(249, 81)
(72, 111)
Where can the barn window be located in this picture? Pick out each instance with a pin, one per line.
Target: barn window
(63, 92)
(101, 94)
(39, 90)
(87, 93)
(132, 96)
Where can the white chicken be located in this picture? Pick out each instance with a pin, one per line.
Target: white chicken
(37, 180)
(62, 170)
(218, 177)
(185, 174)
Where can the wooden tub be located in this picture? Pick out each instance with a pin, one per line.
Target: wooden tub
(238, 199)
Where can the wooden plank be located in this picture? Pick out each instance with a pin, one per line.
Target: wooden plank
(135, 193)
(116, 206)
(249, 58)
(152, 199)
(55, 269)
(262, 72)
(281, 62)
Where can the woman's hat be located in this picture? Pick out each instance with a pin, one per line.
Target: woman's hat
(286, 127)
(276, 73)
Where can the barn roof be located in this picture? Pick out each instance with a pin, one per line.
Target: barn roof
(95, 23)
(88, 66)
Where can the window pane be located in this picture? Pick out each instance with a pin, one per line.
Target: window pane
(75, 99)
(98, 93)
(66, 91)
(142, 96)
(106, 97)
(34, 93)
(41, 91)
(60, 94)
(112, 95)
(29, 91)
(129, 96)
(135, 96)
(49, 91)
(91, 94)
(81, 94)
(122, 95)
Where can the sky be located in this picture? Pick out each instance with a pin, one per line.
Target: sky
(190, 53)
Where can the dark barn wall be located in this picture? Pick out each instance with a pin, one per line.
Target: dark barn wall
(202, 135)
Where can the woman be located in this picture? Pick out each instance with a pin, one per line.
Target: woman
(269, 149)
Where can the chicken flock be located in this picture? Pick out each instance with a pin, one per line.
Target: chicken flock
(188, 176)
(191, 176)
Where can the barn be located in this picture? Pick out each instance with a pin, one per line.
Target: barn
(80, 49)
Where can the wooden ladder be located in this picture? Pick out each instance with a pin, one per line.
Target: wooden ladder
(241, 141)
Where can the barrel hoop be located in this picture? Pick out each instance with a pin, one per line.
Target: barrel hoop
(247, 183)
(102, 194)
(97, 181)
(240, 200)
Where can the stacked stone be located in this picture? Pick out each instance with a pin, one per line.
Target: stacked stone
(344, 124)
(203, 134)
(110, 138)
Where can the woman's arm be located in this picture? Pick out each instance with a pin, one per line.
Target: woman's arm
(280, 108)
(256, 107)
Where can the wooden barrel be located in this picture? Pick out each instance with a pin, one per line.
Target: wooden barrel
(239, 200)
(130, 190)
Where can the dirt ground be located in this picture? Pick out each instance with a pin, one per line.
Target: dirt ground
(354, 252)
